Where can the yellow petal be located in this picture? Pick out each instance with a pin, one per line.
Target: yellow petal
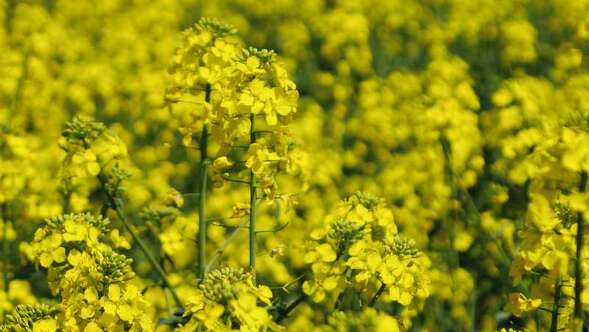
(326, 252)
(114, 292)
(90, 294)
(59, 255)
(93, 168)
(330, 283)
(125, 312)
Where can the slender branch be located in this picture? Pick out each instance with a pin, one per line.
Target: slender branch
(580, 241)
(154, 233)
(234, 180)
(277, 214)
(190, 194)
(202, 222)
(180, 146)
(377, 295)
(225, 244)
(252, 228)
(115, 203)
(259, 131)
(275, 230)
(284, 313)
(5, 246)
(186, 101)
(226, 226)
(211, 220)
(288, 284)
(104, 209)
(116, 206)
(555, 307)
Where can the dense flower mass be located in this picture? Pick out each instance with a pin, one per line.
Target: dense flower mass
(93, 281)
(227, 297)
(359, 247)
(294, 165)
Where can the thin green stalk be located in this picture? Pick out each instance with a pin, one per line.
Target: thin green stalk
(377, 295)
(579, 254)
(450, 177)
(202, 222)
(473, 306)
(283, 314)
(115, 204)
(252, 184)
(5, 247)
(224, 246)
(555, 306)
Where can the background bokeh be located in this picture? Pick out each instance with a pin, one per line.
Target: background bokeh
(457, 113)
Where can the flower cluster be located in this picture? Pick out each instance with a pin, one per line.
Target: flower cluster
(31, 318)
(91, 151)
(547, 262)
(94, 282)
(227, 89)
(360, 248)
(227, 298)
(368, 319)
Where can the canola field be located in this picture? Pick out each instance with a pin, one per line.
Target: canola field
(294, 165)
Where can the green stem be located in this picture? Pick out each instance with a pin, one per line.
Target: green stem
(252, 228)
(555, 306)
(283, 314)
(202, 222)
(5, 247)
(450, 177)
(115, 204)
(473, 305)
(224, 246)
(578, 262)
(377, 295)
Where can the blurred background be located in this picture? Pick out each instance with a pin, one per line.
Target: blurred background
(438, 106)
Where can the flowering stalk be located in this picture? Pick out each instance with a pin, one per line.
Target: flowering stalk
(555, 306)
(252, 184)
(578, 261)
(82, 128)
(202, 223)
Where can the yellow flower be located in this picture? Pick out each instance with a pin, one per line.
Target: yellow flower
(519, 304)
(74, 231)
(87, 159)
(240, 210)
(118, 240)
(51, 251)
(541, 214)
(45, 325)
(93, 327)
(174, 198)
(322, 253)
(221, 164)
